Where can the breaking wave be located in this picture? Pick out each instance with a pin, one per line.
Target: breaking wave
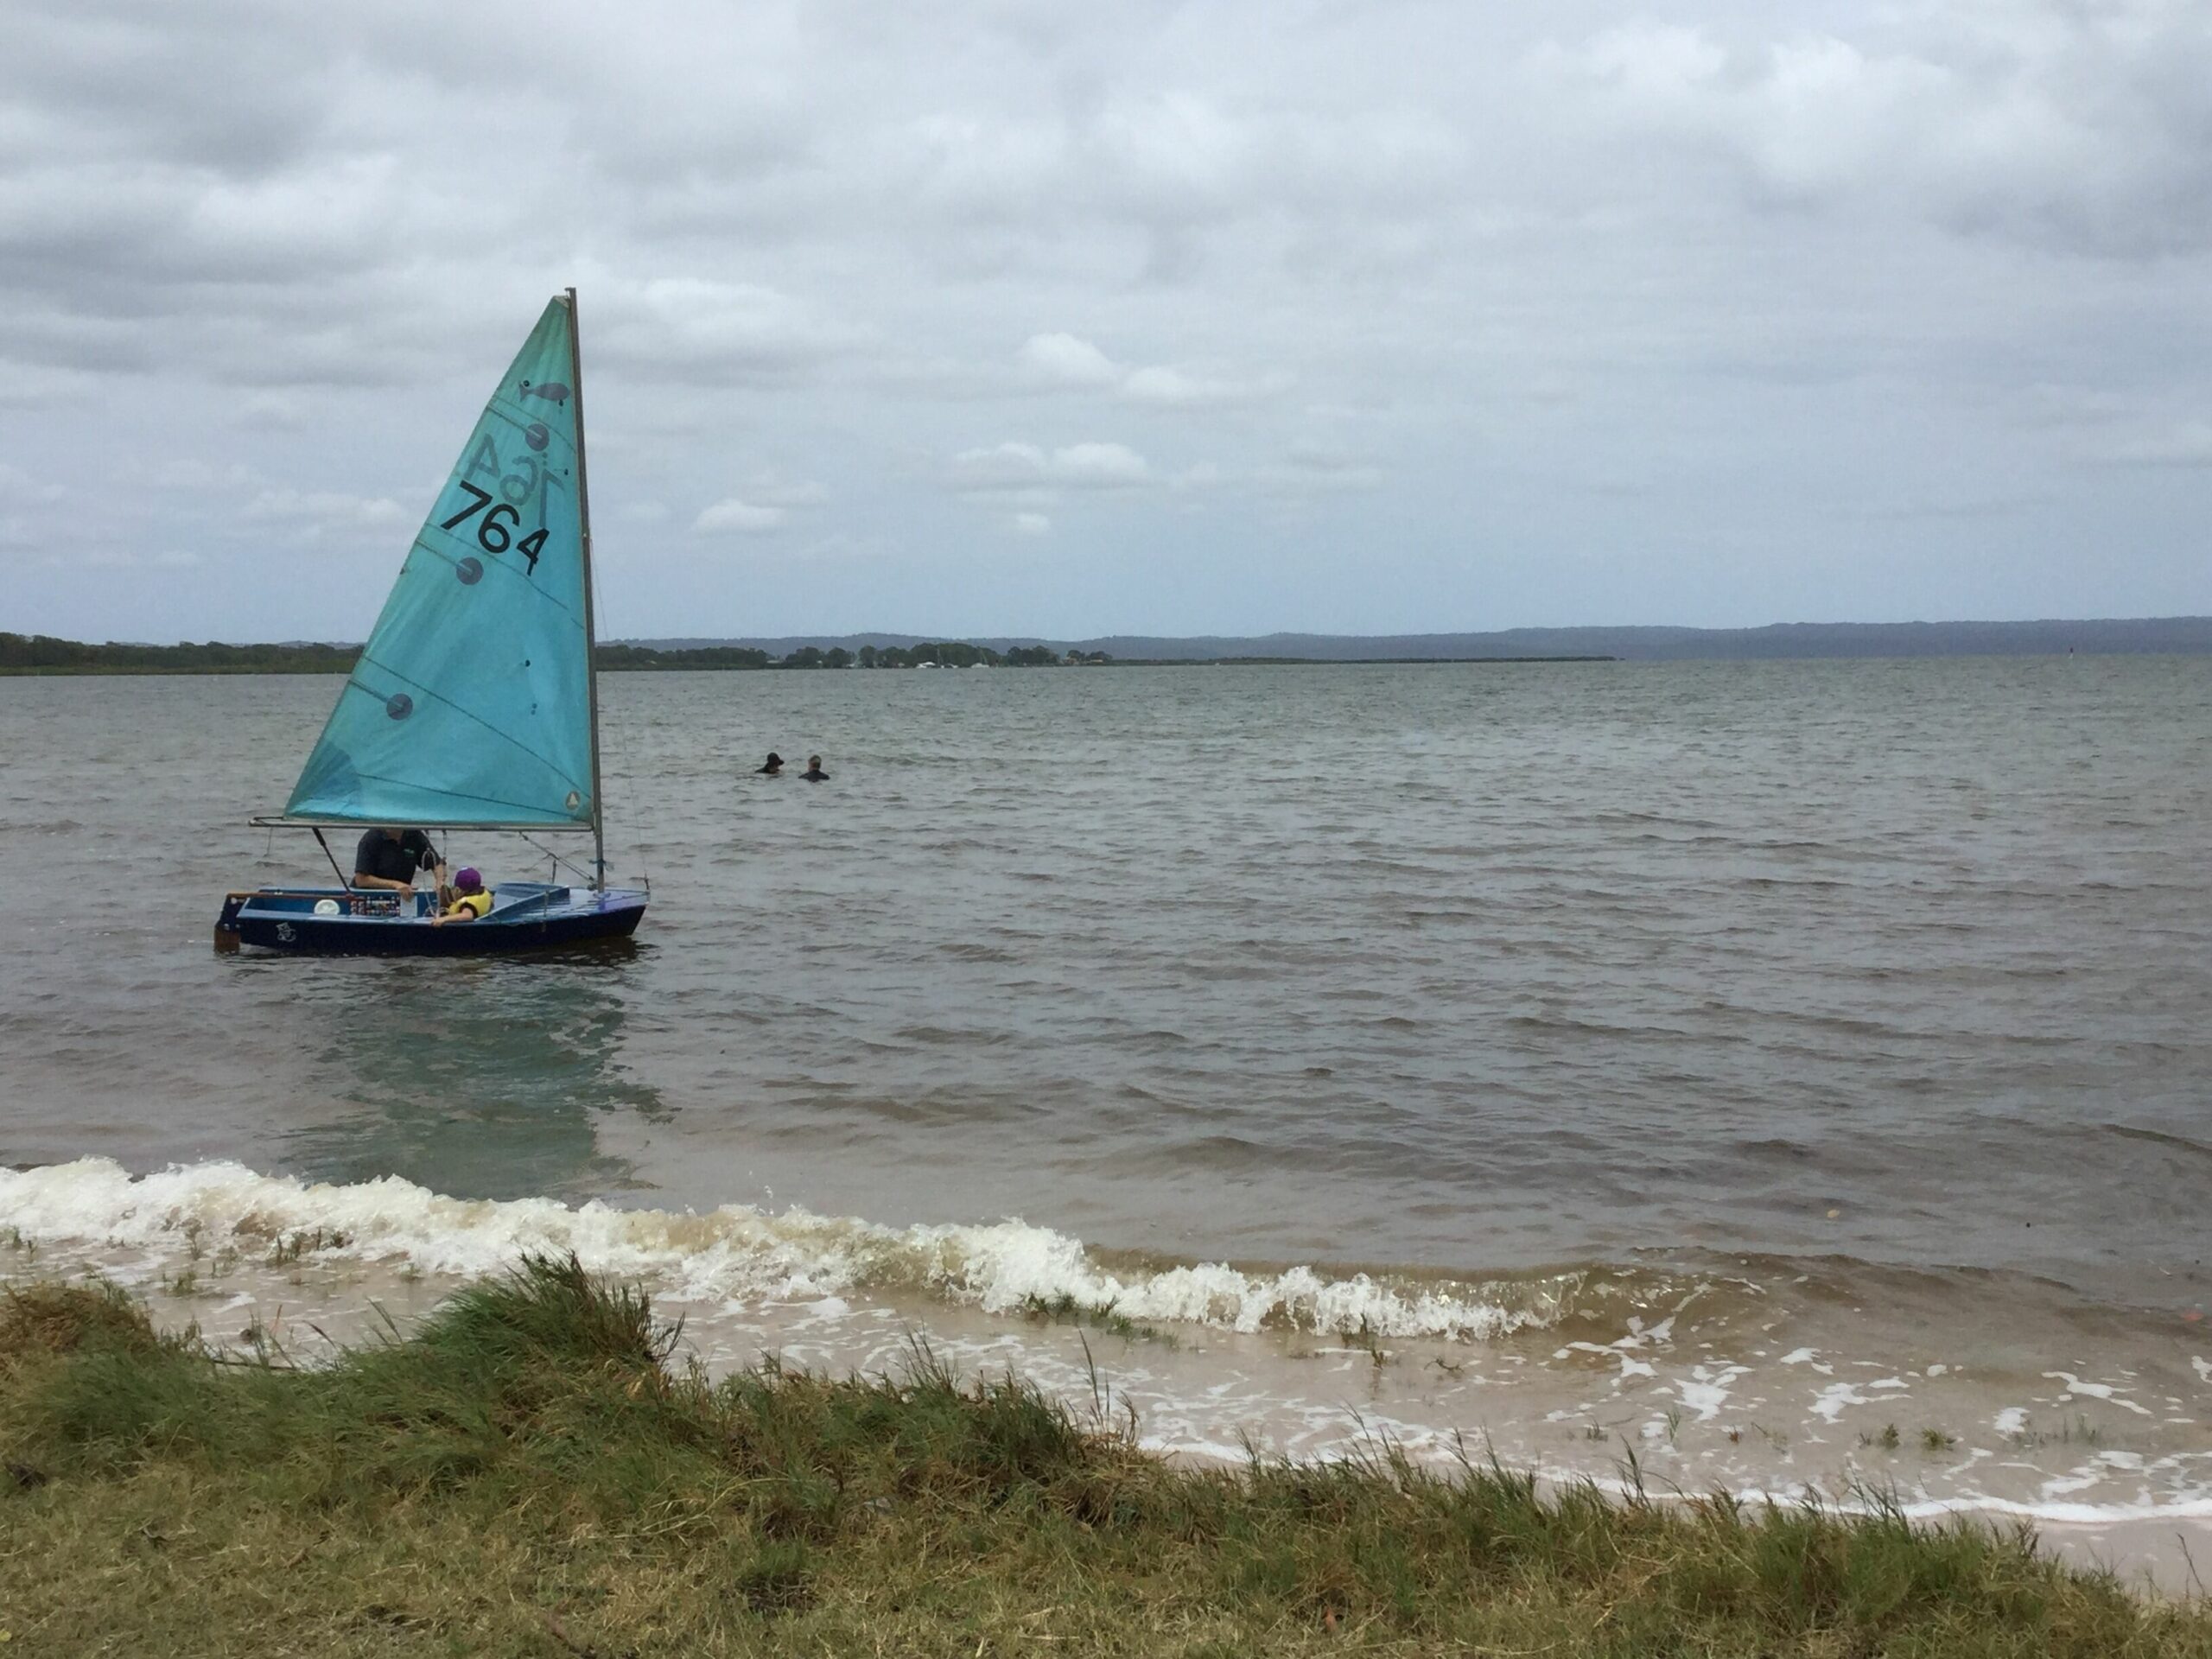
(738, 1253)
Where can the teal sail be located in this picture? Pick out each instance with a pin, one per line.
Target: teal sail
(472, 703)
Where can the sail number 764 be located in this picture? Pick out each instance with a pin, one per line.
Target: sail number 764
(493, 530)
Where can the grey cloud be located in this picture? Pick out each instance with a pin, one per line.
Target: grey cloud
(121, 82)
(2081, 128)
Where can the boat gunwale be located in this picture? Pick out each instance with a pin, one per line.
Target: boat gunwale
(574, 900)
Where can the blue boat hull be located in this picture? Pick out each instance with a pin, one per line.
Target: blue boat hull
(333, 922)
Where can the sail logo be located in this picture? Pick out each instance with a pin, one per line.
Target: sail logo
(553, 390)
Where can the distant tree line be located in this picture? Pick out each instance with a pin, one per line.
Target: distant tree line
(40, 653)
(620, 657)
(946, 653)
(955, 653)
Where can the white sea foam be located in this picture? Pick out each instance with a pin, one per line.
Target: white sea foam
(1706, 1390)
(737, 1253)
(2104, 1391)
(1829, 1404)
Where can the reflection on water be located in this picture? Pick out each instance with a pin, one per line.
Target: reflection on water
(476, 1078)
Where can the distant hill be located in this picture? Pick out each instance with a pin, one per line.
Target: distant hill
(2118, 636)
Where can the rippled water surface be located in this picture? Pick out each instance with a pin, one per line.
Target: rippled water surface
(1464, 966)
(1452, 973)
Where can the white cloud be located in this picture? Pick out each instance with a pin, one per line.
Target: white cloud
(1173, 388)
(786, 492)
(2187, 443)
(766, 504)
(1031, 523)
(1098, 465)
(1004, 466)
(320, 513)
(731, 516)
(1309, 470)
(714, 333)
(1075, 465)
(1065, 362)
(1062, 359)
(283, 412)
(19, 488)
(192, 476)
(110, 557)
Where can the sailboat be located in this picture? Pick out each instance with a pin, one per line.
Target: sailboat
(474, 705)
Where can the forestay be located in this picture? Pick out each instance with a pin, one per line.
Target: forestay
(471, 702)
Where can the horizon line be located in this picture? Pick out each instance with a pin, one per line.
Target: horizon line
(1275, 634)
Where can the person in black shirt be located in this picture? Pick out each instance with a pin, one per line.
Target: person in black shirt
(814, 774)
(775, 767)
(389, 858)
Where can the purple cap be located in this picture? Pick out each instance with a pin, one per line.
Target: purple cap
(466, 879)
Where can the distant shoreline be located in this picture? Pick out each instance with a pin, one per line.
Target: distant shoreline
(22, 654)
(113, 670)
(40, 656)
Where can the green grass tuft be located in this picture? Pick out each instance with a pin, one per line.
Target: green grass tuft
(47, 1318)
(1065, 1309)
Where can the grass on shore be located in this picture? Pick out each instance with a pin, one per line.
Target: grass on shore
(528, 1474)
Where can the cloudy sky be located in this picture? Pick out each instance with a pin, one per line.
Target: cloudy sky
(1005, 316)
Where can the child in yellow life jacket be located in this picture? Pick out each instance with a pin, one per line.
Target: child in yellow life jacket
(470, 900)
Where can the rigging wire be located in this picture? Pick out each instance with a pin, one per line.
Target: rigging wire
(583, 874)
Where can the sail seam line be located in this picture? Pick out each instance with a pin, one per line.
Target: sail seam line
(512, 573)
(546, 761)
(453, 794)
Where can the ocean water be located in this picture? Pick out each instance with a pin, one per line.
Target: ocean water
(1734, 1062)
